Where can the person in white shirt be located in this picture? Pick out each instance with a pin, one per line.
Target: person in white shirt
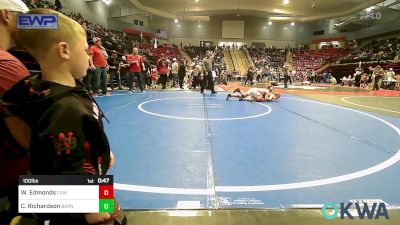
(333, 80)
(390, 75)
(174, 72)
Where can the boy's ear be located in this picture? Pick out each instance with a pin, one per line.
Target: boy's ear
(63, 50)
(5, 16)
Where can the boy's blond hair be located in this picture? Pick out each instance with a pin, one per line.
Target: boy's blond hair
(39, 41)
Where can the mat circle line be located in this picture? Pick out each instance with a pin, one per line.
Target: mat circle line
(140, 107)
(365, 106)
(276, 187)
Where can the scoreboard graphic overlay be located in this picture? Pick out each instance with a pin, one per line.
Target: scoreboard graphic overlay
(65, 194)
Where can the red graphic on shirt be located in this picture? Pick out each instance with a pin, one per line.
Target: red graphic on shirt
(64, 143)
(87, 166)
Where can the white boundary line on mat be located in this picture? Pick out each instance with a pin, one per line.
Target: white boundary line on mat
(276, 187)
(370, 107)
(140, 107)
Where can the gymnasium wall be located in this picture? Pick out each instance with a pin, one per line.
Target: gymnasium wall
(95, 11)
(386, 26)
(128, 15)
(119, 25)
(255, 29)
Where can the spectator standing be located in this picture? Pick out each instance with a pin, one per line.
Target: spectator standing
(174, 72)
(99, 75)
(13, 153)
(286, 76)
(208, 81)
(136, 64)
(181, 72)
(11, 69)
(162, 68)
(146, 73)
(114, 65)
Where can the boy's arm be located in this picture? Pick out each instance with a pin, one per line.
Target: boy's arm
(90, 53)
(73, 140)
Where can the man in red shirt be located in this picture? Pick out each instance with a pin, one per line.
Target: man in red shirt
(100, 66)
(12, 164)
(162, 67)
(11, 69)
(136, 64)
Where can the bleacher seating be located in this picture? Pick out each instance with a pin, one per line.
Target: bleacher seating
(271, 57)
(314, 59)
(111, 40)
(197, 53)
(377, 50)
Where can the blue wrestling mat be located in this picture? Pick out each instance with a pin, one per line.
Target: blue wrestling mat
(188, 150)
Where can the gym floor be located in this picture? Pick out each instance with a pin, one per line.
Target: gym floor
(230, 159)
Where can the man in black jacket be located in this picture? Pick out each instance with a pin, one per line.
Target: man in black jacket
(208, 81)
(114, 66)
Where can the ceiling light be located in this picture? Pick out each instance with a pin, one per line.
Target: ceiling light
(270, 23)
(264, 27)
(196, 1)
(176, 20)
(285, 2)
(199, 26)
(292, 24)
(285, 28)
(107, 2)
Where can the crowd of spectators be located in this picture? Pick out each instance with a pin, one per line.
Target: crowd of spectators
(118, 41)
(43, 4)
(268, 61)
(197, 53)
(377, 50)
(268, 57)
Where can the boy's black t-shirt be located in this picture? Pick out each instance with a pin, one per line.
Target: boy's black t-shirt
(66, 127)
(67, 136)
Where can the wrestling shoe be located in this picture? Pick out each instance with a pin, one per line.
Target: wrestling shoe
(236, 90)
(228, 97)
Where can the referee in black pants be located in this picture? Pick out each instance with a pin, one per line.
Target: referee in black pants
(207, 78)
(286, 76)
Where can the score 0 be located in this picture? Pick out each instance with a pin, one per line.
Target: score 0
(106, 198)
